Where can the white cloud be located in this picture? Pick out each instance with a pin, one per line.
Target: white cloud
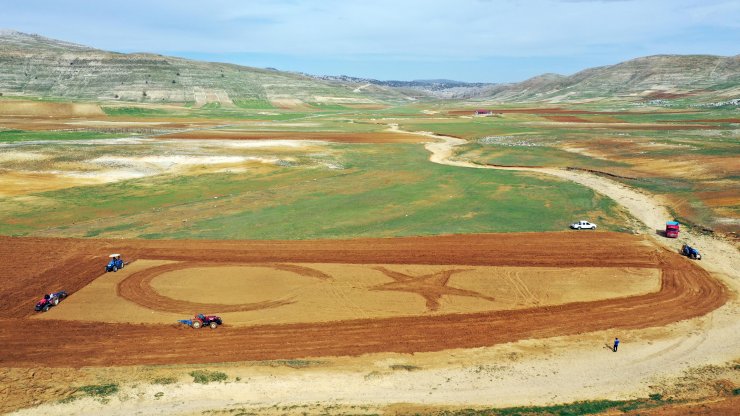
(391, 30)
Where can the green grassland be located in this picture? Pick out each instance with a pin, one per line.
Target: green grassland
(11, 136)
(381, 191)
(384, 190)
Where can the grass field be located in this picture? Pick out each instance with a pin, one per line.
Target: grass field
(346, 191)
(687, 156)
(11, 136)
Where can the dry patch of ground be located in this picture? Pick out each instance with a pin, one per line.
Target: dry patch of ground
(24, 183)
(162, 292)
(288, 103)
(43, 108)
(27, 168)
(685, 292)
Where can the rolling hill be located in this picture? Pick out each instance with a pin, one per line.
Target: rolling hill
(32, 65)
(659, 77)
(35, 66)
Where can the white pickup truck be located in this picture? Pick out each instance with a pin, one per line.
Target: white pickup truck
(583, 225)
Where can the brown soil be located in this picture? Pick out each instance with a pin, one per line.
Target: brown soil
(568, 119)
(664, 95)
(718, 407)
(33, 266)
(592, 119)
(102, 123)
(279, 293)
(646, 126)
(22, 183)
(729, 197)
(380, 137)
(137, 289)
(558, 111)
(707, 120)
(41, 108)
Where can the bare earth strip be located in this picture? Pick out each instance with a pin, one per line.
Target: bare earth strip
(150, 291)
(686, 292)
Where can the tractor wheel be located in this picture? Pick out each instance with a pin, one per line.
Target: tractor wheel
(115, 269)
(46, 308)
(55, 301)
(213, 325)
(196, 324)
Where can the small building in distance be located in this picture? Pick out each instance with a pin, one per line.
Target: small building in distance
(485, 113)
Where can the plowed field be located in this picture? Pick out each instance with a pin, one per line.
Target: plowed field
(160, 292)
(31, 267)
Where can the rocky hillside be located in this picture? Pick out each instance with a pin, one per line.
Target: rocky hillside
(660, 77)
(32, 65)
(436, 88)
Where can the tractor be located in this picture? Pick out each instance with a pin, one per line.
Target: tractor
(201, 320)
(690, 252)
(115, 263)
(49, 300)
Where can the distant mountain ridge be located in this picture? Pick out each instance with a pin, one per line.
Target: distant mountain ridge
(35, 66)
(659, 76)
(437, 88)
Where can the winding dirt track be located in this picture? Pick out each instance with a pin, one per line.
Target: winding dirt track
(687, 291)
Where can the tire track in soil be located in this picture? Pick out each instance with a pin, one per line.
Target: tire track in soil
(686, 291)
(137, 289)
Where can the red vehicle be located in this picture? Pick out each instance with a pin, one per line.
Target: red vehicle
(49, 300)
(201, 320)
(671, 229)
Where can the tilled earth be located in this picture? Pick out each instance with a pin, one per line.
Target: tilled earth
(30, 267)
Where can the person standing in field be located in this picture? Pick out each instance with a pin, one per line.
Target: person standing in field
(616, 344)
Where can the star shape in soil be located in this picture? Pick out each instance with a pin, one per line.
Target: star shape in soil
(429, 286)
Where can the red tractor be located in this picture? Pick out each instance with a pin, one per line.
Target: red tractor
(49, 300)
(203, 320)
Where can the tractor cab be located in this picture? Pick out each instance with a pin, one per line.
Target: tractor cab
(43, 304)
(115, 263)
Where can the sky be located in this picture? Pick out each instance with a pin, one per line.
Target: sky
(465, 40)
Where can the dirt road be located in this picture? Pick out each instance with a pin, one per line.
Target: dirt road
(723, 256)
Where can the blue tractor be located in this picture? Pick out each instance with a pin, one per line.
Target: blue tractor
(115, 263)
(690, 252)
